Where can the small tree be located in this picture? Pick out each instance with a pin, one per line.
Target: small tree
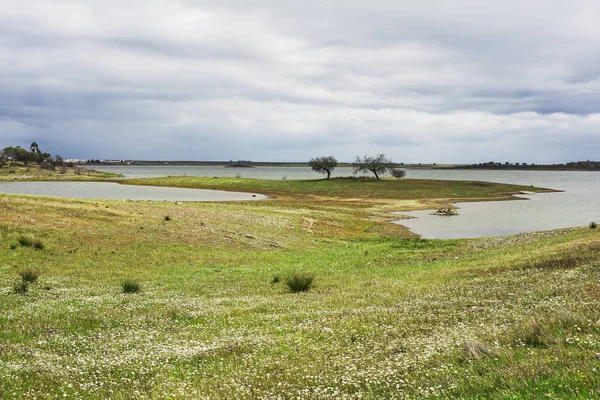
(377, 165)
(323, 165)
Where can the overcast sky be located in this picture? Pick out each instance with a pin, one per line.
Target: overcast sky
(272, 80)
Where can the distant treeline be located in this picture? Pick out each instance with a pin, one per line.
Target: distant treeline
(574, 165)
(10, 155)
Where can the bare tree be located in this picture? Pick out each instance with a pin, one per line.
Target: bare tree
(377, 165)
(323, 165)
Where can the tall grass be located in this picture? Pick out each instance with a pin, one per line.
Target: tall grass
(130, 286)
(299, 282)
(30, 275)
(27, 241)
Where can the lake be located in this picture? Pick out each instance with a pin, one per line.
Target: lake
(578, 205)
(115, 191)
(276, 173)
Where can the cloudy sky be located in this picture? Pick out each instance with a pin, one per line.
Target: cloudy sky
(272, 80)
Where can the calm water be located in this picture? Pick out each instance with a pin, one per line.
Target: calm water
(115, 191)
(576, 206)
(276, 173)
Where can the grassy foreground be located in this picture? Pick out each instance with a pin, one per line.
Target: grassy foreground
(390, 316)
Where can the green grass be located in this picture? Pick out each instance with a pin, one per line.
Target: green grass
(392, 316)
(360, 188)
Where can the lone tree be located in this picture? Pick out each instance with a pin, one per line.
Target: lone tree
(377, 165)
(323, 165)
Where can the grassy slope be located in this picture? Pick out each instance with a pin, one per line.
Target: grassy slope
(32, 172)
(389, 317)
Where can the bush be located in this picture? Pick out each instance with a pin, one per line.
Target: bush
(593, 225)
(167, 218)
(299, 282)
(398, 173)
(21, 287)
(29, 275)
(276, 279)
(130, 286)
(48, 165)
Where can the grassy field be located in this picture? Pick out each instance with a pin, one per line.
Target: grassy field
(389, 316)
(365, 190)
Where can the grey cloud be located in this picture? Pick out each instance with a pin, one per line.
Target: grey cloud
(450, 81)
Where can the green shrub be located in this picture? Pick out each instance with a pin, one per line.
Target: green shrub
(130, 286)
(593, 225)
(29, 275)
(299, 282)
(276, 279)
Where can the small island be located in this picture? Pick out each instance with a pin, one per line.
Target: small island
(239, 165)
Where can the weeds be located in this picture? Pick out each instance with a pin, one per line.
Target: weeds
(475, 349)
(130, 286)
(26, 241)
(21, 287)
(276, 279)
(29, 275)
(593, 225)
(531, 334)
(167, 218)
(299, 282)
